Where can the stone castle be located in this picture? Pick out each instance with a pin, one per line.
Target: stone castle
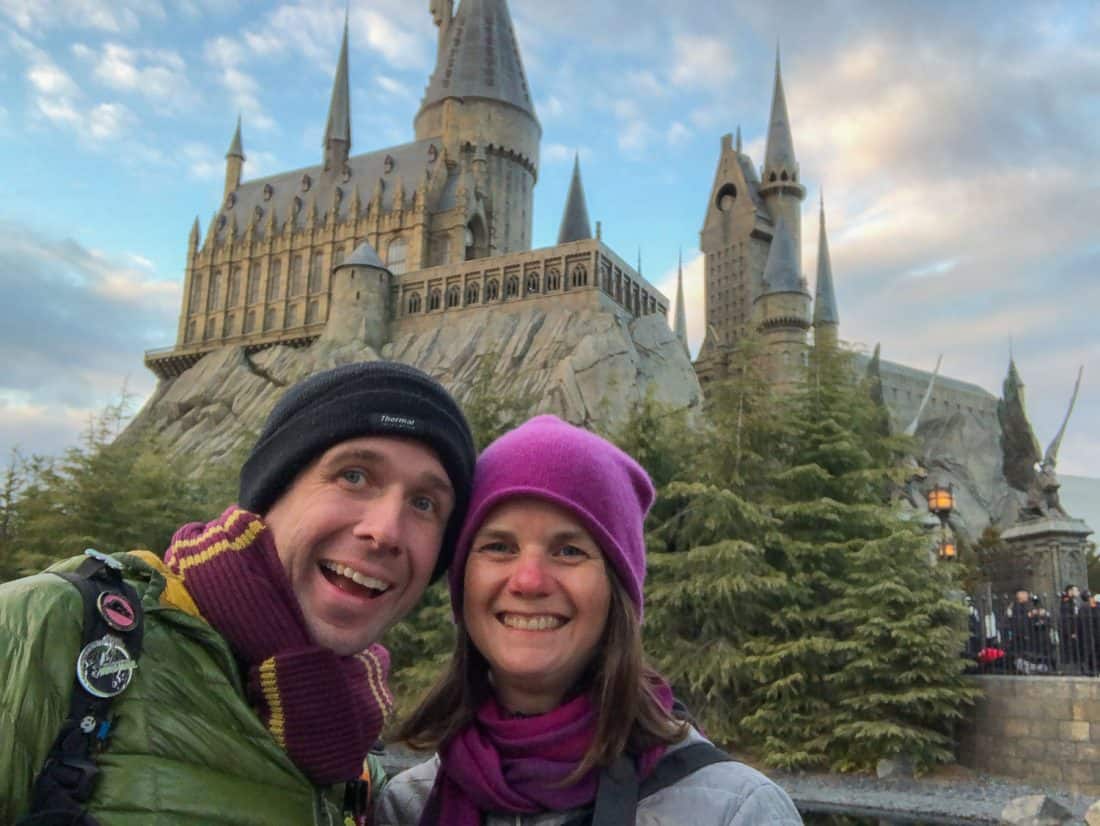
(397, 247)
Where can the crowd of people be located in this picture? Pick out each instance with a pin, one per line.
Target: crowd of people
(1034, 639)
(237, 676)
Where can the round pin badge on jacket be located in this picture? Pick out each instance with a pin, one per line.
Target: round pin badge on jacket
(117, 611)
(104, 667)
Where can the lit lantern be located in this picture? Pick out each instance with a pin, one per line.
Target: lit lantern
(941, 501)
(947, 549)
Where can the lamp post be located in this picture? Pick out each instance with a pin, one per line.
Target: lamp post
(941, 501)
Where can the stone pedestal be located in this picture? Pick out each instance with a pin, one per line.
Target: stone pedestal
(1042, 555)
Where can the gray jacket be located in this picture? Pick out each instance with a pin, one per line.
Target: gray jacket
(721, 794)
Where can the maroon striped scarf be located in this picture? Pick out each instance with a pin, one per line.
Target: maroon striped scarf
(326, 711)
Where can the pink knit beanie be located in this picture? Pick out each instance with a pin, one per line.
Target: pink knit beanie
(606, 490)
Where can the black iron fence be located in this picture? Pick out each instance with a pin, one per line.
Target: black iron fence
(1034, 634)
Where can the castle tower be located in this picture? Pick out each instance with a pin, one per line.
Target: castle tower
(478, 103)
(575, 225)
(337, 140)
(780, 189)
(826, 317)
(782, 310)
(680, 319)
(361, 308)
(234, 161)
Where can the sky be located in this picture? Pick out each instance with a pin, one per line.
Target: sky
(956, 145)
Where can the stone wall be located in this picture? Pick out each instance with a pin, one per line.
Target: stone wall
(1040, 729)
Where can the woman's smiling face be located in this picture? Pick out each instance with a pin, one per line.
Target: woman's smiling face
(535, 601)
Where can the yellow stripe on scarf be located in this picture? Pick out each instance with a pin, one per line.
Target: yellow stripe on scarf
(234, 518)
(276, 723)
(238, 544)
(375, 679)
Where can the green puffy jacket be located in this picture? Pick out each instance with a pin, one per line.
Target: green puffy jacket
(186, 748)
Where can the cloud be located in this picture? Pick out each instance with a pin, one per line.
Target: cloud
(225, 56)
(701, 61)
(77, 330)
(158, 75)
(114, 16)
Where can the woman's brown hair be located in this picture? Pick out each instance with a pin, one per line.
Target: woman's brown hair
(629, 715)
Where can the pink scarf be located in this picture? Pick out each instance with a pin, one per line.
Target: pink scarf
(326, 711)
(501, 763)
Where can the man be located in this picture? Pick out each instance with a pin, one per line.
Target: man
(258, 689)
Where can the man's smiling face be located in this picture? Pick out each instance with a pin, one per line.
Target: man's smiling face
(358, 533)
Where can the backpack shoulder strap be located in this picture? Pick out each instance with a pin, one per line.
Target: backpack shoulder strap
(110, 646)
(678, 764)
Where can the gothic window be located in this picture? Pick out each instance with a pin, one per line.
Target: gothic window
(725, 200)
(532, 283)
(618, 286)
(296, 283)
(209, 332)
(227, 325)
(312, 310)
(234, 287)
(249, 321)
(190, 335)
(252, 294)
(196, 293)
(553, 280)
(291, 316)
(274, 283)
(433, 300)
(212, 296)
(492, 290)
(269, 318)
(771, 178)
(414, 303)
(316, 273)
(511, 287)
(397, 254)
(580, 275)
(783, 177)
(472, 291)
(454, 296)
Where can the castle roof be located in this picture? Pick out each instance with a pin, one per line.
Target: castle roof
(479, 58)
(680, 322)
(781, 273)
(363, 256)
(291, 193)
(825, 308)
(339, 109)
(575, 225)
(780, 149)
(235, 146)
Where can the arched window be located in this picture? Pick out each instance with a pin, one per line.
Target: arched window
(414, 303)
(196, 293)
(771, 178)
(312, 311)
(274, 283)
(783, 177)
(475, 239)
(252, 292)
(532, 282)
(291, 316)
(249, 321)
(511, 287)
(213, 296)
(227, 325)
(397, 254)
(580, 275)
(472, 290)
(296, 281)
(269, 319)
(316, 273)
(234, 287)
(209, 332)
(433, 300)
(454, 296)
(492, 290)
(553, 280)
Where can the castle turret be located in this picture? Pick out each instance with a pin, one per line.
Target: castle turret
(234, 161)
(680, 324)
(337, 141)
(826, 316)
(360, 309)
(442, 12)
(478, 95)
(782, 310)
(780, 189)
(575, 225)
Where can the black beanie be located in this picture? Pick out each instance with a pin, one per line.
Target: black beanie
(373, 398)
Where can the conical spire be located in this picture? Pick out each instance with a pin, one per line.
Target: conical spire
(781, 272)
(235, 146)
(195, 232)
(779, 155)
(825, 309)
(575, 225)
(680, 324)
(479, 58)
(738, 139)
(338, 128)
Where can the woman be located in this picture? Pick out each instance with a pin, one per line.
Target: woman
(547, 710)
